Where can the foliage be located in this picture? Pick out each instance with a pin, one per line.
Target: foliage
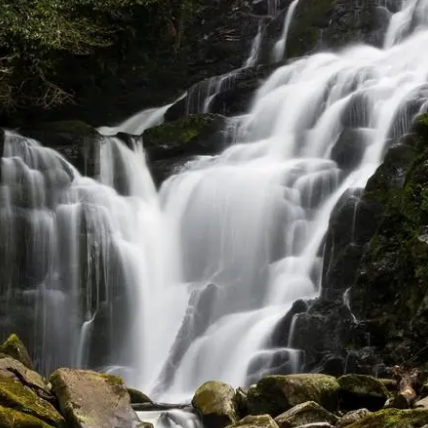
(36, 36)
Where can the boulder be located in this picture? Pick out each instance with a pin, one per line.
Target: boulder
(22, 399)
(393, 418)
(93, 400)
(170, 145)
(29, 378)
(351, 417)
(276, 394)
(11, 418)
(303, 414)
(13, 347)
(215, 402)
(260, 421)
(357, 391)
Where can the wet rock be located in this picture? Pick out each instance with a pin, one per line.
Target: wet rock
(261, 421)
(176, 142)
(22, 399)
(323, 330)
(195, 322)
(358, 391)
(241, 402)
(138, 397)
(352, 417)
(14, 347)
(11, 418)
(281, 333)
(349, 148)
(393, 418)
(92, 400)
(396, 254)
(276, 394)
(75, 140)
(305, 413)
(215, 402)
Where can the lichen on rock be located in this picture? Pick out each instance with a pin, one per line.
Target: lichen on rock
(303, 414)
(14, 347)
(15, 395)
(276, 394)
(93, 400)
(215, 402)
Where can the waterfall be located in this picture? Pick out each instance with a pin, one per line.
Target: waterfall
(252, 220)
(279, 49)
(176, 288)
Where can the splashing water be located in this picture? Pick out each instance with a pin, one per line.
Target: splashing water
(174, 289)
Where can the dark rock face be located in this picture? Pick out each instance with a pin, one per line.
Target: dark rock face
(375, 244)
(389, 293)
(75, 140)
(170, 145)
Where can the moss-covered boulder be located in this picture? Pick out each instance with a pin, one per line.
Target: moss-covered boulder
(393, 418)
(93, 400)
(260, 421)
(11, 418)
(358, 391)
(305, 413)
(15, 395)
(351, 417)
(215, 402)
(29, 378)
(14, 347)
(171, 144)
(276, 394)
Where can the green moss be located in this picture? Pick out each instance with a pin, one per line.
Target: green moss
(393, 418)
(181, 131)
(14, 395)
(17, 350)
(11, 418)
(390, 289)
(362, 384)
(215, 401)
(276, 394)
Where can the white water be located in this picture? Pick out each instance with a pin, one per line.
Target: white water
(279, 49)
(250, 220)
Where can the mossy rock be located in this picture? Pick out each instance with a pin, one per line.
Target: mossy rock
(215, 402)
(138, 397)
(276, 394)
(192, 135)
(15, 395)
(393, 418)
(93, 400)
(305, 413)
(352, 417)
(12, 368)
(14, 347)
(260, 421)
(358, 391)
(11, 418)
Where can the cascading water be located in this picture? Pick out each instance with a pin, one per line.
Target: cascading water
(279, 49)
(174, 291)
